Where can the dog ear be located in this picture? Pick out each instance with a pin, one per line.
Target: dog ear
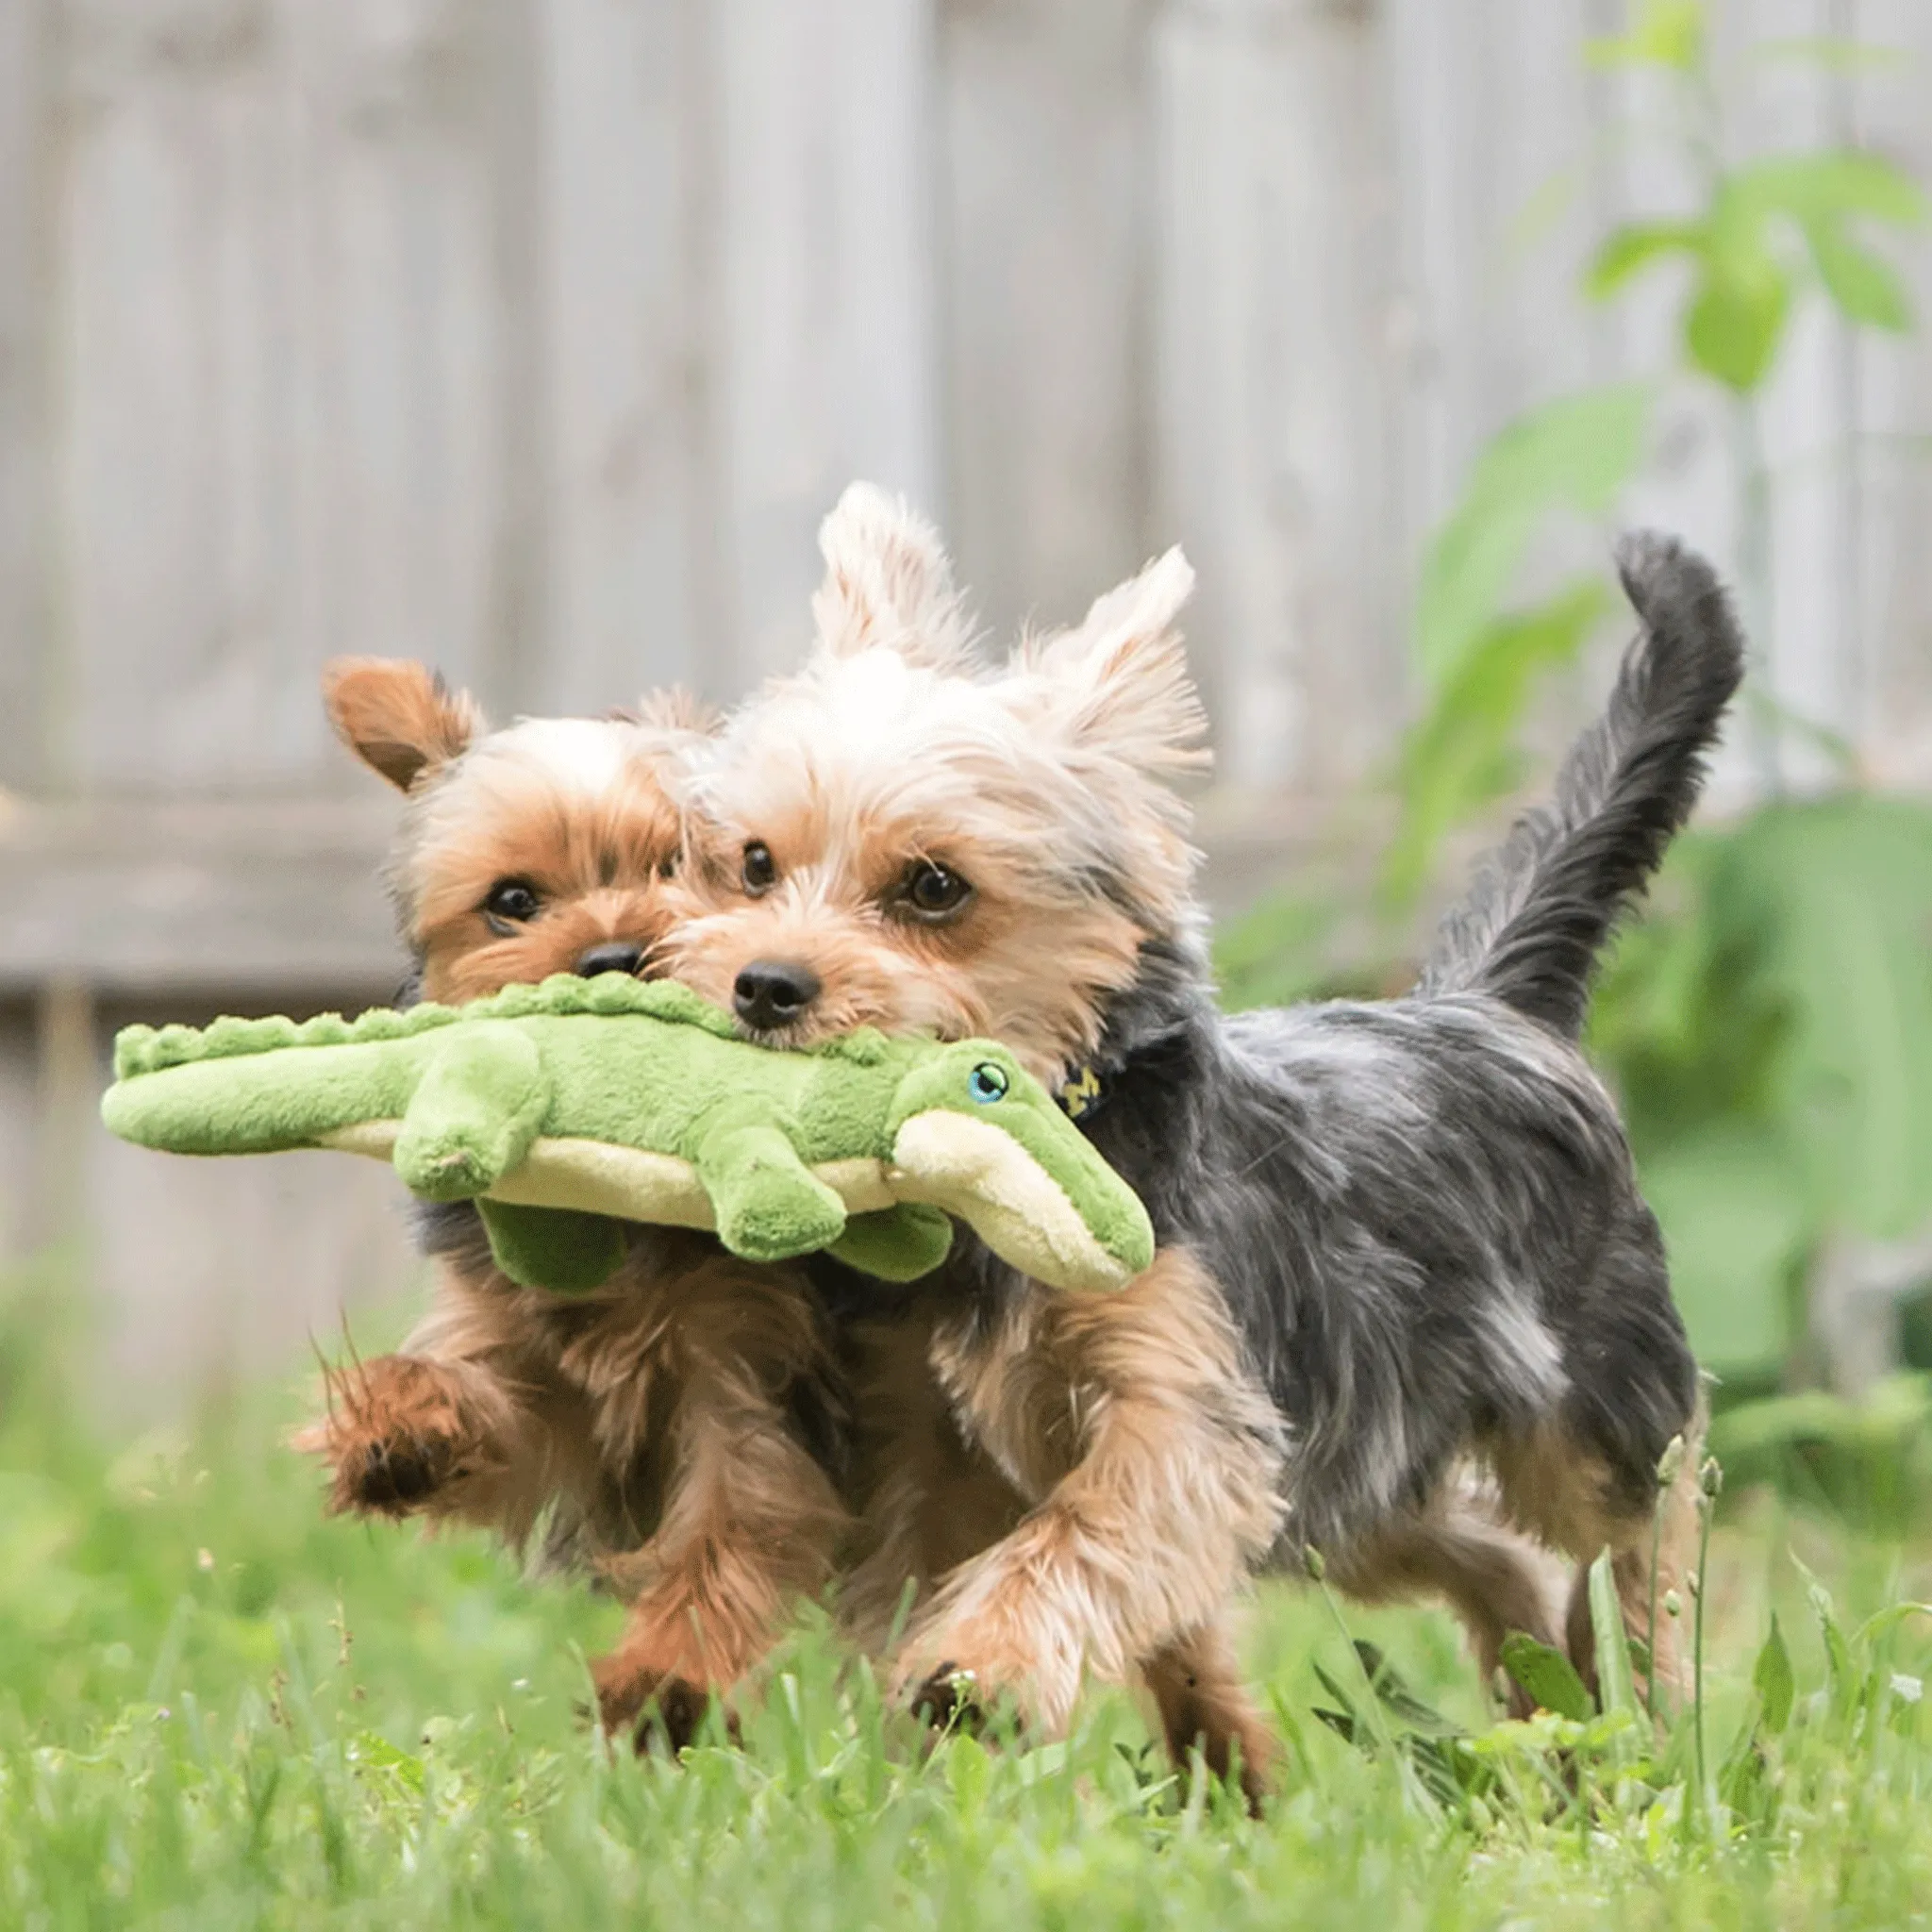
(888, 584)
(398, 717)
(678, 713)
(1117, 683)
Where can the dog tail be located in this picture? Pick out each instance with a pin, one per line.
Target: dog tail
(1529, 931)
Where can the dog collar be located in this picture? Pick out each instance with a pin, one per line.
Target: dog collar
(1082, 1094)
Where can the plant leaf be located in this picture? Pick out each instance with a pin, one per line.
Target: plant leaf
(1742, 1783)
(1771, 1677)
(1839, 892)
(1841, 1677)
(1616, 1692)
(1458, 754)
(1398, 1699)
(1831, 182)
(1548, 1676)
(1736, 315)
(1634, 247)
(1576, 453)
(1883, 1623)
(1730, 1199)
(1666, 33)
(1279, 953)
(1863, 286)
(1831, 52)
(1346, 1727)
(1334, 1689)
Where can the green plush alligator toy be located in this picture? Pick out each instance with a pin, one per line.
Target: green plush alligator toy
(565, 1109)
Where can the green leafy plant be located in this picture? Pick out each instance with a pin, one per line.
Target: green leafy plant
(1592, 1759)
(1769, 1025)
(1764, 234)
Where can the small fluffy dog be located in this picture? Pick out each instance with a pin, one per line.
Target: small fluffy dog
(675, 1427)
(1400, 1242)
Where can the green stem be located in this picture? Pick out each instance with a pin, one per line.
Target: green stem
(1385, 1739)
(1657, 1544)
(1707, 1508)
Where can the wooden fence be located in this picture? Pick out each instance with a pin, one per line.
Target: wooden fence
(533, 337)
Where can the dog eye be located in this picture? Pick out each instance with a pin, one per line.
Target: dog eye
(760, 869)
(511, 902)
(932, 890)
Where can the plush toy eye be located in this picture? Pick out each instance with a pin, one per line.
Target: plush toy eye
(511, 902)
(987, 1083)
(760, 869)
(932, 890)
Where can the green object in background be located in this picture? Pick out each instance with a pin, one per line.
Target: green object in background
(567, 1107)
(1735, 1231)
(1769, 1032)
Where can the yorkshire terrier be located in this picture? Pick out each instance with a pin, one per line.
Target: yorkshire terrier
(677, 1428)
(1408, 1309)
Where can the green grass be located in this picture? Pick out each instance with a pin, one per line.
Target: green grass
(217, 1709)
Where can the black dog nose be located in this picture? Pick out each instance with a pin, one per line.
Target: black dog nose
(616, 955)
(773, 993)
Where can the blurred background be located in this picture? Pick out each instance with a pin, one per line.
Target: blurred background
(532, 337)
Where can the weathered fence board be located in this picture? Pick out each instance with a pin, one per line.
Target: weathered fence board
(23, 442)
(534, 337)
(1046, 183)
(1278, 365)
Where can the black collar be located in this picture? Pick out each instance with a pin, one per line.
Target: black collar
(1083, 1093)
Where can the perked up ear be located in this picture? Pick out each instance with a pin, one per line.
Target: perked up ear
(1118, 682)
(398, 717)
(678, 713)
(888, 584)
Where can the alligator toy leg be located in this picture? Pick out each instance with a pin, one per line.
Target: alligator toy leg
(896, 1243)
(769, 1204)
(473, 1117)
(557, 1248)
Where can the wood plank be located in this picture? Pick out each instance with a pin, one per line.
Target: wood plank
(1047, 196)
(627, 367)
(398, 440)
(278, 440)
(266, 899)
(174, 508)
(260, 897)
(1276, 372)
(827, 290)
(66, 1112)
(213, 1274)
(1891, 383)
(515, 644)
(1810, 632)
(19, 1125)
(1495, 126)
(23, 631)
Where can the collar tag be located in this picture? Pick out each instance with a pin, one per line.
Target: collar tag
(1082, 1094)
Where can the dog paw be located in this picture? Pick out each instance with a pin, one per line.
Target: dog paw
(961, 1687)
(953, 1699)
(396, 1437)
(662, 1713)
(393, 1477)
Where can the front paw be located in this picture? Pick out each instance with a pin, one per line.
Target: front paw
(973, 1680)
(661, 1711)
(396, 1437)
(952, 1699)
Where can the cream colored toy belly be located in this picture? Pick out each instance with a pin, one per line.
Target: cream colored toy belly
(594, 1178)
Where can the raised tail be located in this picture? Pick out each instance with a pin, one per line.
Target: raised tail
(1529, 931)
